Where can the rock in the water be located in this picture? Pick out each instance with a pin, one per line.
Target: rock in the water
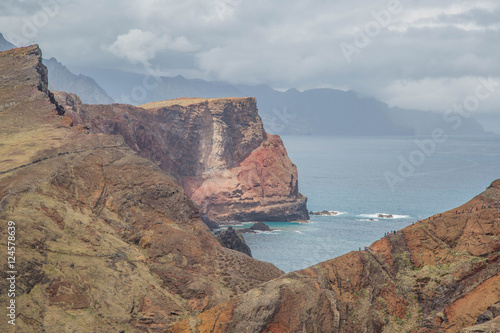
(325, 213)
(232, 239)
(260, 226)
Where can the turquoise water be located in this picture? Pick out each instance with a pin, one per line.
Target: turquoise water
(348, 175)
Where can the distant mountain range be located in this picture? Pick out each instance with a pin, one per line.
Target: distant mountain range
(4, 44)
(336, 112)
(311, 112)
(62, 79)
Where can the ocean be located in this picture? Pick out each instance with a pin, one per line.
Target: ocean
(362, 177)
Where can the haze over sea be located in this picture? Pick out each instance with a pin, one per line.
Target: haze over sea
(347, 175)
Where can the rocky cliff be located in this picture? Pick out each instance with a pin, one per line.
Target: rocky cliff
(105, 241)
(216, 149)
(438, 275)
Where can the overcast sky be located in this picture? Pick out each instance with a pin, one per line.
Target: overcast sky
(419, 54)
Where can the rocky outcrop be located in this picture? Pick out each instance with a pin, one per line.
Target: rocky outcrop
(105, 240)
(217, 150)
(439, 275)
(488, 327)
(233, 240)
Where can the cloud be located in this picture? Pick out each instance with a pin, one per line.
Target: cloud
(442, 93)
(139, 46)
(283, 43)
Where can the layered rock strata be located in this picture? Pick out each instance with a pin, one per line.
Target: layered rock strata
(216, 149)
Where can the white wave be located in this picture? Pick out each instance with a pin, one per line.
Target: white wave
(298, 231)
(272, 232)
(384, 216)
(368, 220)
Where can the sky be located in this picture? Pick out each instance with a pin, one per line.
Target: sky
(417, 54)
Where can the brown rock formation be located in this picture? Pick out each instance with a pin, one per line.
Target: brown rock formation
(105, 241)
(439, 275)
(217, 150)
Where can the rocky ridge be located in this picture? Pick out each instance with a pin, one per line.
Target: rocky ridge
(216, 149)
(105, 240)
(438, 275)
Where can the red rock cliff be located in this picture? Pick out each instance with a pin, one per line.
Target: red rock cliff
(217, 150)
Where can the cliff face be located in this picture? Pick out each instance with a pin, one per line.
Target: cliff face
(440, 275)
(105, 240)
(217, 150)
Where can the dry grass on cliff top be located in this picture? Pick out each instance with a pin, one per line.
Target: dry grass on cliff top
(185, 101)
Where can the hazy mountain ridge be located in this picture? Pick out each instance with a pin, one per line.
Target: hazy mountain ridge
(62, 79)
(136, 89)
(311, 112)
(335, 112)
(4, 44)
